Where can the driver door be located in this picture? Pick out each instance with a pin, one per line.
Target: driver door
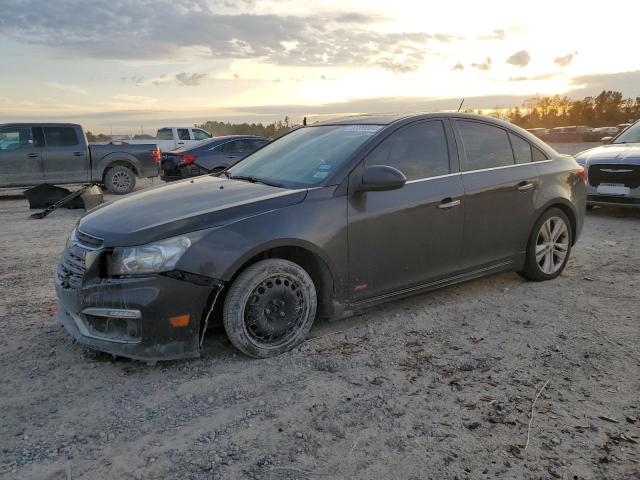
(20, 157)
(413, 235)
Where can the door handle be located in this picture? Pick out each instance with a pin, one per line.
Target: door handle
(448, 203)
(33, 155)
(78, 154)
(525, 186)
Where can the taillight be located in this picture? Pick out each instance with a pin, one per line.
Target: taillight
(583, 173)
(156, 155)
(186, 159)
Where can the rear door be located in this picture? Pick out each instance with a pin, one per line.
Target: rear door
(184, 137)
(20, 157)
(499, 192)
(412, 235)
(65, 156)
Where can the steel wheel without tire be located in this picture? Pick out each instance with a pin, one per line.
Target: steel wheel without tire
(120, 179)
(549, 246)
(270, 308)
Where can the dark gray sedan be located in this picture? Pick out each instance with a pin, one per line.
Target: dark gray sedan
(328, 220)
(212, 155)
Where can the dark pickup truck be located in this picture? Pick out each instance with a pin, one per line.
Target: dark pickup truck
(58, 153)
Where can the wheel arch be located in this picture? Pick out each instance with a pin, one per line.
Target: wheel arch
(114, 160)
(568, 209)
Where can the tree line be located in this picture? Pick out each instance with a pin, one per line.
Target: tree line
(269, 130)
(607, 109)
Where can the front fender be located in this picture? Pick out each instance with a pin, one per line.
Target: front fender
(317, 225)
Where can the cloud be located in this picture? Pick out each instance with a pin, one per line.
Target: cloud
(136, 29)
(67, 88)
(544, 76)
(499, 34)
(486, 65)
(458, 67)
(192, 80)
(564, 60)
(519, 59)
(626, 82)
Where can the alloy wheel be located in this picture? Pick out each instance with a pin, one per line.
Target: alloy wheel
(552, 245)
(121, 180)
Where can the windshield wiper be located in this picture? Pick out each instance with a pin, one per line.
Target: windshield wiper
(249, 178)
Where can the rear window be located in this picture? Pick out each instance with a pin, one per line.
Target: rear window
(60, 136)
(164, 134)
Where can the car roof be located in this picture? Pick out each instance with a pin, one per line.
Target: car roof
(388, 119)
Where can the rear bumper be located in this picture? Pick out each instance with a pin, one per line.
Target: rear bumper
(613, 200)
(189, 171)
(131, 317)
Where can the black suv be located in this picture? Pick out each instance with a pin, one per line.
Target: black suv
(327, 220)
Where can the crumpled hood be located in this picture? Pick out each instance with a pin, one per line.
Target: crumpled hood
(613, 153)
(183, 207)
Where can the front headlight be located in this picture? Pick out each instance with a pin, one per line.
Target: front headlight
(71, 238)
(160, 256)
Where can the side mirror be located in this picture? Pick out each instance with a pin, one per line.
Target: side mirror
(377, 178)
(606, 140)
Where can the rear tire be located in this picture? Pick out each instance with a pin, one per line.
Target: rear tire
(120, 180)
(549, 246)
(270, 308)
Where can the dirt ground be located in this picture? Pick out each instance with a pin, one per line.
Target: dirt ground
(439, 386)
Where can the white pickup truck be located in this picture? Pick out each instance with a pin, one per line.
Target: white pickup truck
(171, 138)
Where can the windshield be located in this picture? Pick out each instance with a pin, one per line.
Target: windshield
(630, 135)
(304, 157)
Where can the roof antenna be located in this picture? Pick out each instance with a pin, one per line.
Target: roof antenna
(304, 122)
(461, 104)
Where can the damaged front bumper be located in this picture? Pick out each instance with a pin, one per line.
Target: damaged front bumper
(155, 317)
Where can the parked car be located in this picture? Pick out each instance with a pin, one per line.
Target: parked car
(539, 132)
(325, 221)
(209, 156)
(570, 134)
(597, 134)
(58, 153)
(170, 138)
(613, 170)
(623, 126)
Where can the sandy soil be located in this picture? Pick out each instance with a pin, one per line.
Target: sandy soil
(437, 386)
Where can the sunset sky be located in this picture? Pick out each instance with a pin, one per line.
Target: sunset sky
(117, 65)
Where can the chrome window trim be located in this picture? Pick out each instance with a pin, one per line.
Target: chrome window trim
(506, 166)
(476, 171)
(432, 178)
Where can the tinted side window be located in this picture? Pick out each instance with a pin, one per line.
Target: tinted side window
(486, 146)
(418, 151)
(256, 144)
(60, 136)
(164, 134)
(15, 138)
(200, 135)
(521, 149)
(183, 134)
(538, 156)
(237, 146)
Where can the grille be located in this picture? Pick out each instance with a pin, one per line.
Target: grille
(88, 241)
(71, 267)
(627, 175)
